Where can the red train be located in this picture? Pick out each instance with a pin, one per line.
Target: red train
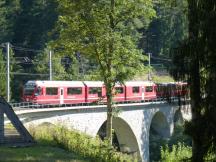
(72, 92)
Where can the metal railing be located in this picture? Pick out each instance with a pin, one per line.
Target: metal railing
(25, 105)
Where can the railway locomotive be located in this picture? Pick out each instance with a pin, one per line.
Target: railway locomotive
(74, 92)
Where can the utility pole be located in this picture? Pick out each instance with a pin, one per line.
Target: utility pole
(8, 72)
(149, 70)
(50, 65)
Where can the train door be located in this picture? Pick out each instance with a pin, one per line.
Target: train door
(61, 95)
(143, 93)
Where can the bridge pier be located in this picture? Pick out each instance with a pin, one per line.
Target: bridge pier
(1, 126)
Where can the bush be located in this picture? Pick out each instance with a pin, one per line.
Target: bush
(178, 153)
(81, 144)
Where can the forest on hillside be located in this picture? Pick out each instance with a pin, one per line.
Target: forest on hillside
(30, 26)
(109, 40)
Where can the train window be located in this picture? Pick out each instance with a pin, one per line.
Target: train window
(30, 85)
(38, 91)
(74, 91)
(158, 88)
(52, 91)
(94, 90)
(119, 90)
(28, 92)
(135, 89)
(149, 88)
(184, 87)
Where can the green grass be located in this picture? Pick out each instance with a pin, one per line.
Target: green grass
(37, 153)
(58, 144)
(81, 144)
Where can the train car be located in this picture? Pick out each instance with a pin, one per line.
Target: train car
(95, 91)
(119, 93)
(171, 89)
(181, 89)
(72, 92)
(140, 90)
(166, 90)
(54, 92)
(161, 89)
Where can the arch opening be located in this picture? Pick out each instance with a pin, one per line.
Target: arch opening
(158, 135)
(124, 139)
(178, 134)
(178, 118)
(102, 134)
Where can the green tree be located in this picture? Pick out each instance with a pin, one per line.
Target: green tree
(195, 61)
(41, 62)
(105, 31)
(8, 14)
(2, 75)
(33, 23)
(15, 79)
(165, 31)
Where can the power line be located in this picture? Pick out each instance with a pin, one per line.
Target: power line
(25, 49)
(15, 73)
(162, 59)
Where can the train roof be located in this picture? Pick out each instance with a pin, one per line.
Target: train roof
(48, 83)
(172, 83)
(93, 83)
(139, 83)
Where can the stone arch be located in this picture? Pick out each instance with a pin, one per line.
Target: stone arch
(159, 130)
(178, 118)
(126, 138)
(160, 125)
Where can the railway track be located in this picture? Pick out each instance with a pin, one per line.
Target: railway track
(25, 105)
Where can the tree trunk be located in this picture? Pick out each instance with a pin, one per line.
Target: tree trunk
(196, 107)
(197, 145)
(109, 114)
(108, 79)
(198, 151)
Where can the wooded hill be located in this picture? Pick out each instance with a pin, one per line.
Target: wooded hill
(30, 26)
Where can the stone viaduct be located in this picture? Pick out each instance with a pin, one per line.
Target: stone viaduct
(131, 124)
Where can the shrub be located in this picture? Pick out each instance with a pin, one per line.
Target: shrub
(79, 143)
(178, 153)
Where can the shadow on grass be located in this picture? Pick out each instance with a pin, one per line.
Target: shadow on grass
(38, 153)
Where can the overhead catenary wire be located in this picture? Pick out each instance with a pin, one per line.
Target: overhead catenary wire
(16, 73)
(25, 49)
(162, 59)
(62, 61)
(36, 62)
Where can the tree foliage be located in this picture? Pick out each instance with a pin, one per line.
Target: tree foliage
(8, 14)
(41, 62)
(195, 61)
(2, 75)
(165, 31)
(104, 31)
(34, 21)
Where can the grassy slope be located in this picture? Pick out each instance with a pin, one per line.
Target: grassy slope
(37, 153)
